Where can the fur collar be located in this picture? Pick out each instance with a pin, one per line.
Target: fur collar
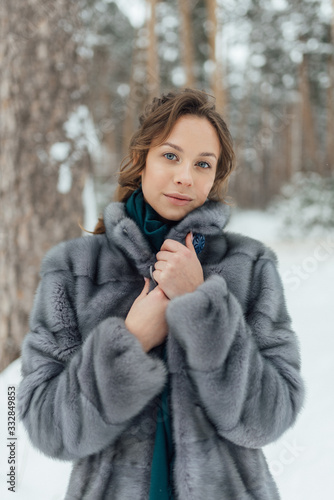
(209, 220)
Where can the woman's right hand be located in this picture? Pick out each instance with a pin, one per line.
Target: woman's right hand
(146, 319)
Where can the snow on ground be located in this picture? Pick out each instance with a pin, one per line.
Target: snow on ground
(302, 459)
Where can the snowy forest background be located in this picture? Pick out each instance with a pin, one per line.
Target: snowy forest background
(74, 77)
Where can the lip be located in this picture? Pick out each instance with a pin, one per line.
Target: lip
(179, 196)
(178, 199)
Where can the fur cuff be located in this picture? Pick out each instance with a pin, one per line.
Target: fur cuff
(204, 322)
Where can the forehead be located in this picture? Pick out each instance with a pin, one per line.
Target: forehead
(192, 130)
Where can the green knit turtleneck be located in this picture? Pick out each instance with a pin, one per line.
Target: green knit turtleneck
(149, 221)
(155, 229)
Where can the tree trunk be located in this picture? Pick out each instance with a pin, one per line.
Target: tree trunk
(129, 123)
(214, 33)
(309, 159)
(330, 104)
(289, 167)
(153, 79)
(265, 143)
(41, 78)
(187, 49)
(297, 135)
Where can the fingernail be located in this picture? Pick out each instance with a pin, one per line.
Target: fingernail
(192, 236)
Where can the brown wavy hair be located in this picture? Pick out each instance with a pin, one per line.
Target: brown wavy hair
(156, 124)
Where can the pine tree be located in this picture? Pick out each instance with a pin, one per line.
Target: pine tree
(41, 85)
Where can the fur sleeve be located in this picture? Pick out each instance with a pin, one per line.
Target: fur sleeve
(75, 397)
(246, 367)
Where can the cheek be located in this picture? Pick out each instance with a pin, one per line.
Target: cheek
(205, 187)
(151, 171)
(147, 175)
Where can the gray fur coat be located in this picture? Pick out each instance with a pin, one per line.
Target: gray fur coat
(90, 394)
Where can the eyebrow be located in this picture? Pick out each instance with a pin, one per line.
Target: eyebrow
(175, 146)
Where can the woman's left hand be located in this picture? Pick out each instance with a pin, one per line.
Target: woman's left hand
(178, 270)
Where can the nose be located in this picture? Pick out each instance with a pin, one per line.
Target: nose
(183, 175)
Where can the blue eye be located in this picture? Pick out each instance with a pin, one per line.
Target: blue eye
(204, 164)
(170, 156)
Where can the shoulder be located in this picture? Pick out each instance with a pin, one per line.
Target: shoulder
(78, 255)
(250, 248)
(252, 270)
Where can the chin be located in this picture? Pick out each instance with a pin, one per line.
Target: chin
(173, 215)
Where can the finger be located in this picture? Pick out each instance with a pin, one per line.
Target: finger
(146, 286)
(159, 293)
(171, 246)
(144, 291)
(189, 242)
(160, 265)
(163, 255)
(156, 275)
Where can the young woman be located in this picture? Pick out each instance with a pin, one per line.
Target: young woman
(160, 357)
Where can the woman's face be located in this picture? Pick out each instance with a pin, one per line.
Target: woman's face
(180, 173)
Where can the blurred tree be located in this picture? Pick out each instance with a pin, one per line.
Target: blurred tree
(285, 50)
(153, 78)
(330, 101)
(202, 29)
(309, 146)
(129, 121)
(108, 50)
(183, 44)
(186, 41)
(214, 31)
(71, 66)
(42, 83)
(314, 46)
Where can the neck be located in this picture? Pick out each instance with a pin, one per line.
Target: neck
(152, 225)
